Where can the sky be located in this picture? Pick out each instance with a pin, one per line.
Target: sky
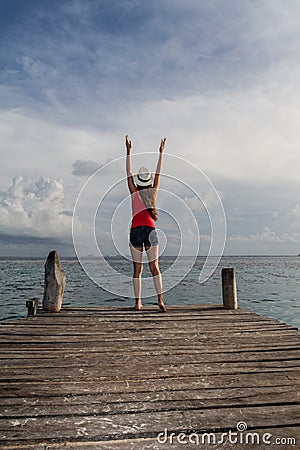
(219, 79)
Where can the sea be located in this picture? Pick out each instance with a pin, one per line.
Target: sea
(267, 285)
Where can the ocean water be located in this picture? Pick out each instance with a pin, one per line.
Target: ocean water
(269, 286)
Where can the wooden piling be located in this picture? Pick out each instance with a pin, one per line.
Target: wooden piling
(55, 282)
(32, 306)
(229, 288)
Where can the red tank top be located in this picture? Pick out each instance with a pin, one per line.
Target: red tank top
(140, 215)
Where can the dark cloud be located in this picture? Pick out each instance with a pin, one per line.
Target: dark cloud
(31, 240)
(67, 213)
(84, 168)
(117, 51)
(33, 246)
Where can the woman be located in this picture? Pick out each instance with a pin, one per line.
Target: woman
(143, 190)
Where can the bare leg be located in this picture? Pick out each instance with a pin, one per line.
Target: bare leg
(137, 254)
(152, 254)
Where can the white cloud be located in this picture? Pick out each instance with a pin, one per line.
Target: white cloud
(34, 208)
(268, 236)
(296, 210)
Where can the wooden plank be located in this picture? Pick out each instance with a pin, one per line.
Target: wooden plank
(127, 320)
(126, 312)
(110, 327)
(68, 387)
(149, 330)
(71, 359)
(291, 433)
(145, 424)
(153, 444)
(136, 402)
(176, 393)
(154, 334)
(156, 369)
(55, 353)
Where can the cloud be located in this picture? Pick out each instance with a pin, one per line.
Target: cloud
(13, 240)
(206, 200)
(296, 210)
(36, 68)
(251, 134)
(84, 168)
(67, 213)
(268, 236)
(194, 203)
(34, 209)
(31, 144)
(266, 242)
(175, 49)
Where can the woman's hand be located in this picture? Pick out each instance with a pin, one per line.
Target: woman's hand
(162, 145)
(128, 144)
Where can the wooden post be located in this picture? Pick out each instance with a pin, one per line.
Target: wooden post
(55, 281)
(32, 306)
(229, 289)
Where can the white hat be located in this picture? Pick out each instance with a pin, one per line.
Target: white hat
(144, 177)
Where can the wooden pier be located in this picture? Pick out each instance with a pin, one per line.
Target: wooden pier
(114, 378)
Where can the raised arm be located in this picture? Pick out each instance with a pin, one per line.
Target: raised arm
(159, 164)
(131, 185)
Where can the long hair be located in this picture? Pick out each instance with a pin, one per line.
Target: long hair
(148, 196)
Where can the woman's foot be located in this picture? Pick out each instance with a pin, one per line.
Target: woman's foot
(162, 306)
(138, 305)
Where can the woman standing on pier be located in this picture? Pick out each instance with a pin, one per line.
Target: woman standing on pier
(143, 189)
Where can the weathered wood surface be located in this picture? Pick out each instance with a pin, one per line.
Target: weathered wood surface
(229, 290)
(55, 282)
(114, 378)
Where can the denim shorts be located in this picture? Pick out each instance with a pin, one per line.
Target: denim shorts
(143, 235)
